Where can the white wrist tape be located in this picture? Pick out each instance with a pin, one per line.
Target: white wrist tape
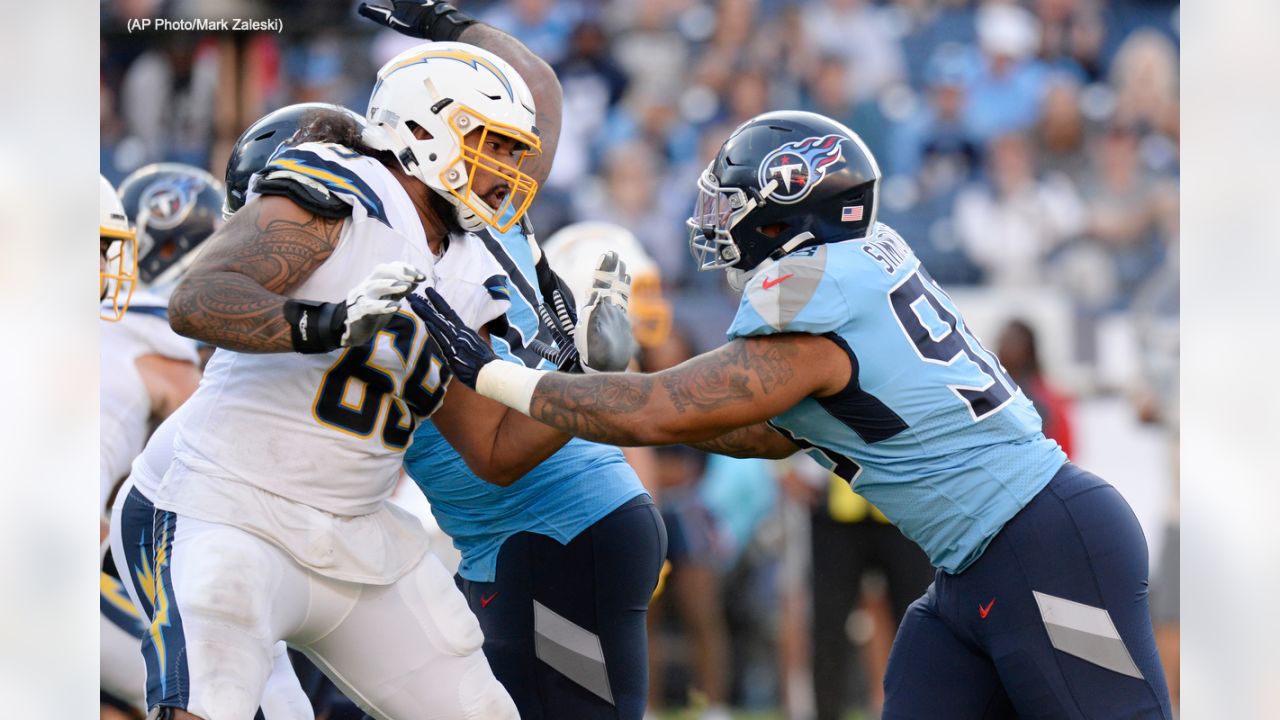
(508, 383)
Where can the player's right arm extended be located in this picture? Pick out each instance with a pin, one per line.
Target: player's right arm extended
(233, 295)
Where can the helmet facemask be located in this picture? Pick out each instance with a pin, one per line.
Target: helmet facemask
(716, 212)
(118, 272)
(459, 177)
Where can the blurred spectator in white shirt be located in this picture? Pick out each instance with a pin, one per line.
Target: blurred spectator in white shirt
(1011, 223)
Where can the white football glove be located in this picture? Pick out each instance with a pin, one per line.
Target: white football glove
(375, 300)
(603, 333)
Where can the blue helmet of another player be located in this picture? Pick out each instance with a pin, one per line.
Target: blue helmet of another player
(260, 141)
(782, 181)
(174, 208)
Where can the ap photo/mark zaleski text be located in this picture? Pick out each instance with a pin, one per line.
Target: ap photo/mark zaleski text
(275, 25)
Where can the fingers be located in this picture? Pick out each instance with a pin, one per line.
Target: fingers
(398, 270)
(373, 12)
(442, 306)
(607, 263)
(387, 289)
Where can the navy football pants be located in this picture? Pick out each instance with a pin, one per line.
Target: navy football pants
(564, 625)
(1051, 622)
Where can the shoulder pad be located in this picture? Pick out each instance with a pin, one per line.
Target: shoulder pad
(793, 294)
(322, 178)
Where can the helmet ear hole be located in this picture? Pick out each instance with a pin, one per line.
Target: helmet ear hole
(773, 230)
(417, 130)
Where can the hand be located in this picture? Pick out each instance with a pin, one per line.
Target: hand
(372, 303)
(466, 351)
(426, 19)
(603, 335)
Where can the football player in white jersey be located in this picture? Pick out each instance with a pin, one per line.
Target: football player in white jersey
(122, 676)
(147, 373)
(271, 522)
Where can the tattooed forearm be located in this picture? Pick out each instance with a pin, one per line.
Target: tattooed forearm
(738, 385)
(707, 387)
(595, 407)
(725, 377)
(233, 296)
(753, 441)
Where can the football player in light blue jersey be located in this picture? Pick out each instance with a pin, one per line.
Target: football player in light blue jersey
(844, 347)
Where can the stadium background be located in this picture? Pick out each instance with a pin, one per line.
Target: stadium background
(1031, 157)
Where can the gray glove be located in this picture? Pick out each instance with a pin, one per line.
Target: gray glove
(603, 333)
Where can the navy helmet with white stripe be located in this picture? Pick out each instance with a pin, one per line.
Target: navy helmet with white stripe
(260, 141)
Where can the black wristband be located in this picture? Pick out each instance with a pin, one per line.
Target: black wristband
(444, 22)
(315, 327)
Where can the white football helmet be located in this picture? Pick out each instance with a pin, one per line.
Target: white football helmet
(450, 90)
(574, 252)
(118, 254)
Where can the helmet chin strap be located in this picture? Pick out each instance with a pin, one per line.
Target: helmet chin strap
(792, 244)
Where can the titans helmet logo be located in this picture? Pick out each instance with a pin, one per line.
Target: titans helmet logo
(167, 203)
(799, 167)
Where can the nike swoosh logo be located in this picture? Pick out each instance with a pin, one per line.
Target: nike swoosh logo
(770, 283)
(484, 601)
(984, 610)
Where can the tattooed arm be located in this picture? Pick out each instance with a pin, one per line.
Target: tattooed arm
(753, 441)
(233, 295)
(738, 385)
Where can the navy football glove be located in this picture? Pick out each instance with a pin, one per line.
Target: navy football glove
(426, 19)
(465, 350)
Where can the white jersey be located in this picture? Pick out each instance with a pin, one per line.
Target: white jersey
(124, 403)
(305, 449)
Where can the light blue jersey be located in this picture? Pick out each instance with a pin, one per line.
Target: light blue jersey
(560, 498)
(931, 430)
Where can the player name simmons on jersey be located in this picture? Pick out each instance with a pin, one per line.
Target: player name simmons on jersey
(281, 441)
(931, 430)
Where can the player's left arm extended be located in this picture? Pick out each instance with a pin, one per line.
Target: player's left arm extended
(738, 385)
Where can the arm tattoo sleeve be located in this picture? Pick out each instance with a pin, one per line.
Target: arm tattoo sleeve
(596, 407)
(233, 297)
(722, 389)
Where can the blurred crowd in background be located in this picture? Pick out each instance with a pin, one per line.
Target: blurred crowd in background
(1030, 153)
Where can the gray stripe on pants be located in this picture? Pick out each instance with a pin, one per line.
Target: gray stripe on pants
(1086, 632)
(571, 650)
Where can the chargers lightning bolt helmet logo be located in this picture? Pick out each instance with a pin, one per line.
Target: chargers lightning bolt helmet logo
(799, 167)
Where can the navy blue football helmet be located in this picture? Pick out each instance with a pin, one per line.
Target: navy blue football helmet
(260, 141)
(783, 180)
(175, 208)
